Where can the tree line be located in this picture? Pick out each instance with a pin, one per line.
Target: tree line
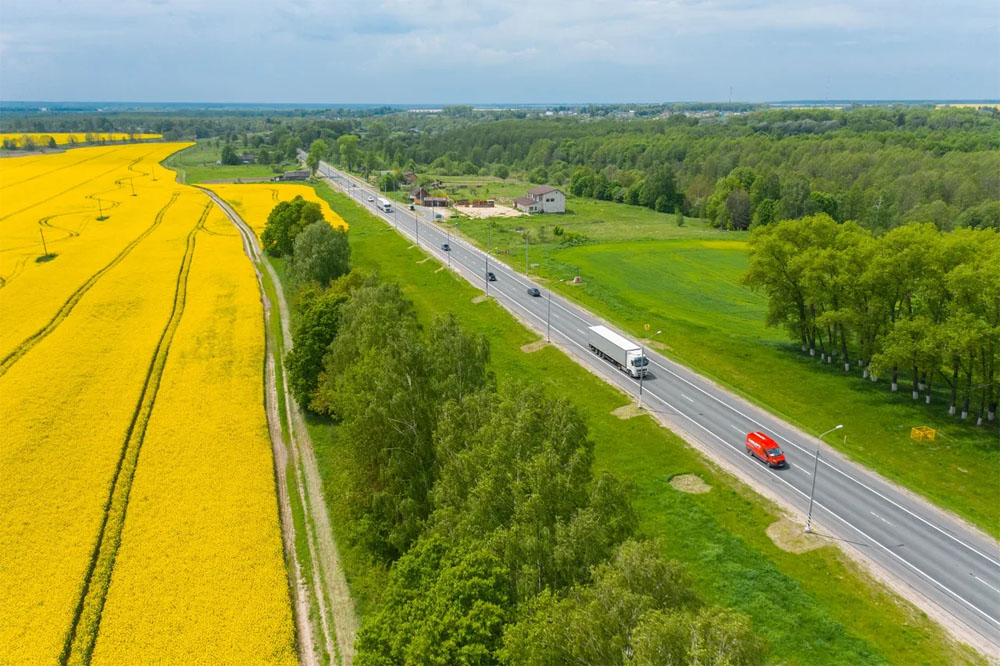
(912, 304)
(503, 546)
(881, 167)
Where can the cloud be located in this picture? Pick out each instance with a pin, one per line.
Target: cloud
(386, 50)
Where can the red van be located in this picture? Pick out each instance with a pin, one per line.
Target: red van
(766, 449)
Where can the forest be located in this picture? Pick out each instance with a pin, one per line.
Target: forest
(880, 167)
(913, 300)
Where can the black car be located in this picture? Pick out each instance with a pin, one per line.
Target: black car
(490, 277)
(533, 291)
(446, 247)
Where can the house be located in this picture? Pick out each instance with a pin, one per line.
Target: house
(435, 201)
(542, 199)
(248, 158)
(300, 174)
(417, 195)
(409, 177)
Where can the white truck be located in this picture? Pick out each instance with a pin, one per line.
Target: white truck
(385, 205)
(622, 353)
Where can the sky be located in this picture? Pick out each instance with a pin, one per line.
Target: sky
(497, 51)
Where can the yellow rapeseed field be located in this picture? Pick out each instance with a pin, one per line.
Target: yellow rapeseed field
(254, 202)
(59, 197)
(71, 138)
(67, 405)
(200, 563)
(86, 383)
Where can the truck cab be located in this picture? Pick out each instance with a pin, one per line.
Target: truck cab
(637, 364)
(765, 449)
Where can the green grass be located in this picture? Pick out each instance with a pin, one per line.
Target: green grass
(820, 609)
(685, 282)
(197, 164)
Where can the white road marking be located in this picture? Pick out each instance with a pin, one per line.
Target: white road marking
(880, 518)
(739, 430)
(984, 583)
(687, 398)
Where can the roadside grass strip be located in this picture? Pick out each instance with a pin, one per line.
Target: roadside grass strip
(199, 576)
(75, 297)
(80, 641)
(68, 404)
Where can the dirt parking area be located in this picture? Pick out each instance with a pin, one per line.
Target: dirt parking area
(495, 211)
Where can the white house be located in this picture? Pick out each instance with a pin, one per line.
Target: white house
(542, 199)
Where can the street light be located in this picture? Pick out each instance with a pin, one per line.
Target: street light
(643, 372)
(812, 492)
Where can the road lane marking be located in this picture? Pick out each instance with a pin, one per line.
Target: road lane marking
(687, 398)
(880, 518)
(984, 582)
(817, 503)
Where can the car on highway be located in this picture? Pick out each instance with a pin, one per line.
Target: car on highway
(411, 207)
(446, 247)
(371, 198)
(765, 449)
(490, 277)
(533, 291)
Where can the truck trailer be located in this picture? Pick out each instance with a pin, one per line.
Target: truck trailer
(385, 205)
(622, 353)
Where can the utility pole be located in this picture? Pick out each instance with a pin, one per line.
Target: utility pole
(100, 210)
(642, 372)
(525, 254)
(812, 491)
(489, 227)
(132, 184)
(44, 247)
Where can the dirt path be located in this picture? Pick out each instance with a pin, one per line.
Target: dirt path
(326, 577)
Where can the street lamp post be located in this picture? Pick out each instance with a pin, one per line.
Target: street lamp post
(643, 373)
(525, 254)
(812, 492)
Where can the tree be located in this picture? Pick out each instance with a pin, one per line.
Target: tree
(316, 326)
(738, 207)
(538, 175)
(320, 254)
(317, 151)
(349, 152)
(388, 182)
(501, 171)
(444, 604)
(594, 623)
(285, 222)
(660, 183)
(711, 637)
(678, 216)
(229, 155)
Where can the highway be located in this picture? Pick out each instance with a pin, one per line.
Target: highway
(947, 568)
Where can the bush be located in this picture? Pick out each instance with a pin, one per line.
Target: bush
(320, 254)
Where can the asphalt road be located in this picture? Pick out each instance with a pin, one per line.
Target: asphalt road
(950, 569)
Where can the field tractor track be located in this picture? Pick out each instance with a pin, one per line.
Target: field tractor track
(25, 346)
(65, 166)
(68, 189)
(82, 636)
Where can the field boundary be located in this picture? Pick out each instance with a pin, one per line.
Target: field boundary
(25, 346)
(82, 636)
